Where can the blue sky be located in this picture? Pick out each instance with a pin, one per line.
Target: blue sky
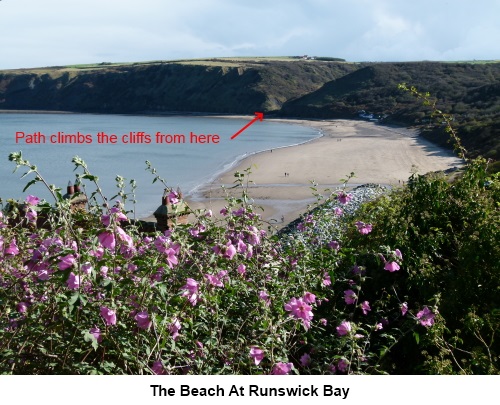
(59, 32)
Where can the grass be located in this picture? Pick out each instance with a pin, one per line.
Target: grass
(229, 61)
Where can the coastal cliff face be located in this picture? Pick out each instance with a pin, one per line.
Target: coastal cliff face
(289, 87)
(166, 87)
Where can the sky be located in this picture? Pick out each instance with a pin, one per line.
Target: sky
(37, 33)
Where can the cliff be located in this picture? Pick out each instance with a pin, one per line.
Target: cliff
(206, 86)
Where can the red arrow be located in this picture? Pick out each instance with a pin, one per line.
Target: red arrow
(258, 117)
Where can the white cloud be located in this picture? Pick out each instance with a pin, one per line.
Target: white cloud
(50, 32)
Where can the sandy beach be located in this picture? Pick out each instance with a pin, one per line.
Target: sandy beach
(375, 153)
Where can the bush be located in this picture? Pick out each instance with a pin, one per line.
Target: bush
(88, 295)
(448, 233)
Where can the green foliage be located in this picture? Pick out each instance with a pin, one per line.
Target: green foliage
(97, 296)
(448, 233)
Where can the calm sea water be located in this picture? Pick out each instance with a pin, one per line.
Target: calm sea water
(181, 164)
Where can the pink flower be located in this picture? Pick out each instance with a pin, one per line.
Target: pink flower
(379, 326)
(309, 298)
(157, 368)
(404, 308)
(326, 279)
(391, 266)
(242, 269)
(195, 232)
(398, 254)
(334, 245)
(344, 198)
(106, 219)
(239, 212)
(214, 280)
(350, 297)
(73, 281)
(116, 215)
(344, 328)
(426, 317)
(109, 315)
(228, 251)
(12, 250)
(323, 321)
(191, 291)
(342, 365)
(143, 320)
(31, 215)
(282, 368)
(249, 252)
(256, 354)
(365, 307)
(162, 243)
(240, 246)
(174, 328)
(173, 197)
(301, 227)
(124, 237)
(98, 253)
(96, 332)
(363, 228)
(32, 200)
(338, 211)
(66, 262)
(300, 310)
(44, 273)
(305, 360)
(107, 240)
(22, 307)
(253, 235)
(171, 258)
(265, 297)
(356, 270)
(104, 271)
(87, 268)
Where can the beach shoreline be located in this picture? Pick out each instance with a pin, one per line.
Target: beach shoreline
(281, 179)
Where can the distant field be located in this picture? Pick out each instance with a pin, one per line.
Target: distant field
(228, 61)
(474, 62)
(223, 62)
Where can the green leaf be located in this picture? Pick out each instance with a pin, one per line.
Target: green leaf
(29, 184)
(83, 300)
(74, 298)
(90, 177)
(89, 337)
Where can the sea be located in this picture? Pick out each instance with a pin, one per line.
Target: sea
(179, 160)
